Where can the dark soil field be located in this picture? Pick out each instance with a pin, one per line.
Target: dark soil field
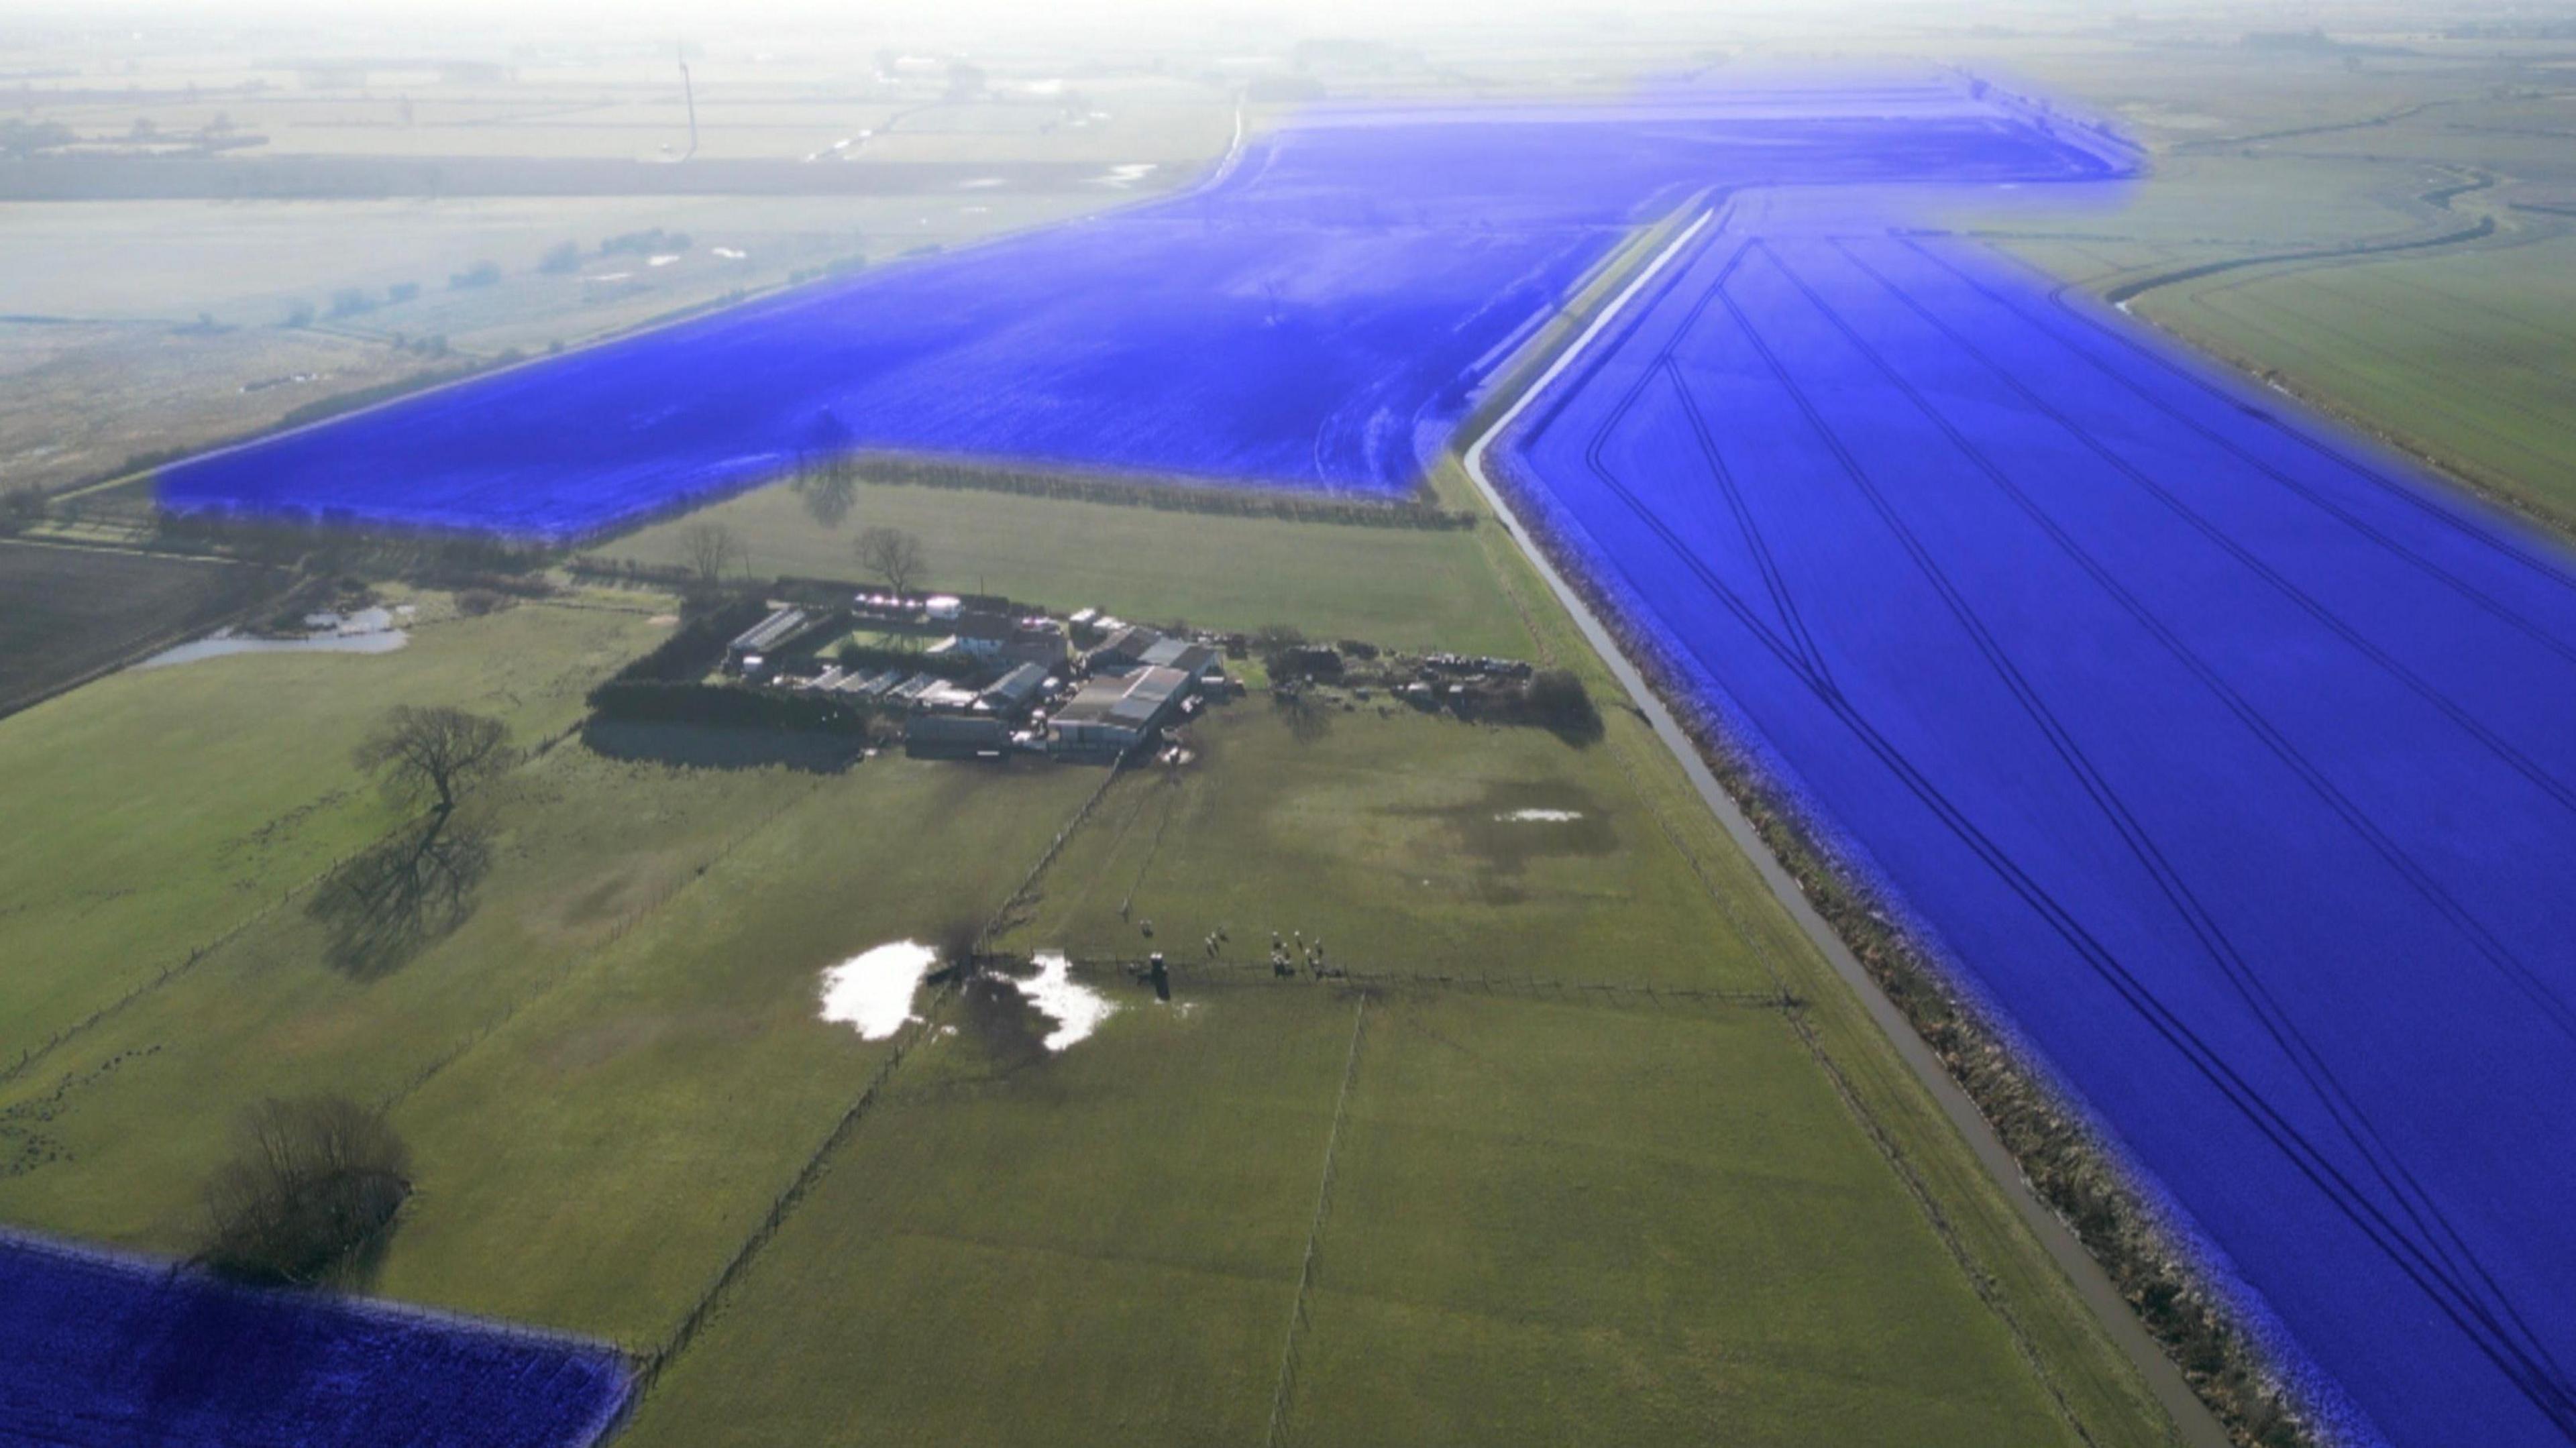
(66, 612)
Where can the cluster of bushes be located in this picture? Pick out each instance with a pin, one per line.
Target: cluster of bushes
(645, 243)
(693, 648)
(654, 701)
(854, 656)
(20, 509)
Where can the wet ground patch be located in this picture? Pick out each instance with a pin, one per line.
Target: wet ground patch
(1509, 824)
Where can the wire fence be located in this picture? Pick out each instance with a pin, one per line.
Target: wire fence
(1283, 1395)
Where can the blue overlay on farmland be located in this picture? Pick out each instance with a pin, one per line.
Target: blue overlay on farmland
(97, 1352)
(2231, 760)
(1318, 316)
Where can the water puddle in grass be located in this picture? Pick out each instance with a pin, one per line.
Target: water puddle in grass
(225, 641)
(1511, 823)
(873, 992)
(1076, 1009)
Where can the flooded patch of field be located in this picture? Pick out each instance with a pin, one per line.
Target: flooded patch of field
(1510, 824)
(1076, 1009)
(225, 641)
(872, 992)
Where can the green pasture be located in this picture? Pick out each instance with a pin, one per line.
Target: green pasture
(2468, 354)
(1402, 842)
(1404, 587)
(153, 813)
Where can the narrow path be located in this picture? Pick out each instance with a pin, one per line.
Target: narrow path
(2197, 1424)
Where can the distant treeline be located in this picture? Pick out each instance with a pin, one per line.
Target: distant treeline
(47, 177)
(1169, 496)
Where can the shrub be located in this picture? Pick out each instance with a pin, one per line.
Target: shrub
(1555, 699)
(312, 1182)
(654, 702)
(693, 648)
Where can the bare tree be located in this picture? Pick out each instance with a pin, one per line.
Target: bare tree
(709, 551)
(313, 1182)
(432, 755)
(893, 555)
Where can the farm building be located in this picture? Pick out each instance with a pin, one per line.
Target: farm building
(1015, 692)
(748, 654)
(1137, 647)
(955, 736)
(1124, 649)
(1112, 715)
(1203, 664)
(1024, 640)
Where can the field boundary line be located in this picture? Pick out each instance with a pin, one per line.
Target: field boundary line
(2192, 1418)
(1658, 992)
(1308, 1267)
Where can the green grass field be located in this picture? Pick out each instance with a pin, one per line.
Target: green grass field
(605, 1072)
(610, 1069)
(2470, 348)
(1404, 843)
(1402, 587)
(155, 813)
(1548, 1222)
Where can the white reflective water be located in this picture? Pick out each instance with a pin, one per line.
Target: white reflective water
(1076, 1009)
(873, 992)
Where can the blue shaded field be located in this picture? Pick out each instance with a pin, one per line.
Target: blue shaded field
(1317, 316)
(2231, 762)
(100, 1353)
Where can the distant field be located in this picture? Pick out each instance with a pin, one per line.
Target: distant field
(103, 357)
(1318, 316)
(2469, 355)
(2458, 352)
(1406, 587)
(65, 612)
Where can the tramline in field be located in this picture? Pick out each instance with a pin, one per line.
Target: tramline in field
(2222, 755)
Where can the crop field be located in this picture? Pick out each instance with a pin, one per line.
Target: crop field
(1338, 291)
(96, 1351)
(2225, 755)
(65, 612)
